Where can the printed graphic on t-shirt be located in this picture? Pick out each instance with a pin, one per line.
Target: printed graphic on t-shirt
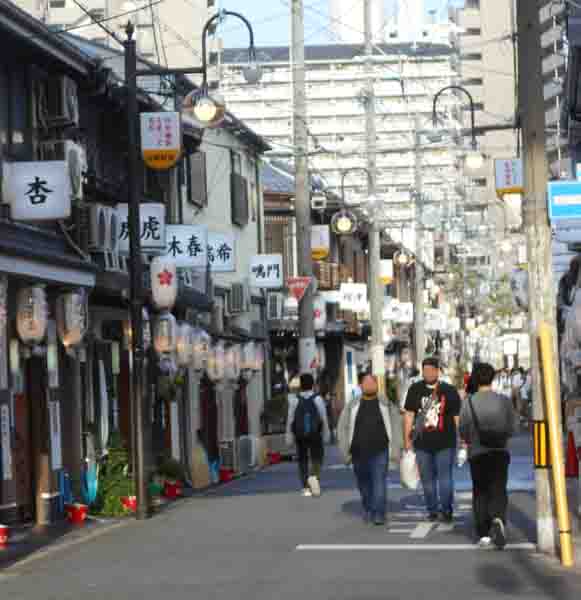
(434, 420)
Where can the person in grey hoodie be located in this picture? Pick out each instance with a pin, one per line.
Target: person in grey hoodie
(487, 421)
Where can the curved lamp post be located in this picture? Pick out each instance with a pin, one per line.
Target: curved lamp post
(209, 110)
(474, 158)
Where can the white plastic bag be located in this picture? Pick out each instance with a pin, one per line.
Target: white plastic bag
(408, 471)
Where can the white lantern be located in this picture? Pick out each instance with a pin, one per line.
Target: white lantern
(321, 356)
(128, 331)
(184, 346)
(386, 271)
(233, 360)
(164, 282)
(259, 357)
(216, 362)
(200, 349)
(71, 317)
(319, 313)
(165, 333)
(32, 314)
(248, 356)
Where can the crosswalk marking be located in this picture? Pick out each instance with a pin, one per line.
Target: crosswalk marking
(422, 530)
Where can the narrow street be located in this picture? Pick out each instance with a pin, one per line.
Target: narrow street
(258, 538)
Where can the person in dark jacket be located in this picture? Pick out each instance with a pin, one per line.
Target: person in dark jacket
(492, 413)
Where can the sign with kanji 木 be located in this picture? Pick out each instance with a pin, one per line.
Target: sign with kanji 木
(297, 286)
(509, 176)
(152, 229)
(187, 244)
(221, 252)
(161, 140)
(38, 191)
(266, 271)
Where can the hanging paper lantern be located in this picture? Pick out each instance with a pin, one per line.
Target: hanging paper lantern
(200, 349)
(248, 356)
(321, 356)
(319, 313)
(386, 271)
(259, 357)
(184, 346)
(72, 317)
(216, 362)
(32, 314)
(233, 360)
(164, 282)
(165, 333)
(128, 331)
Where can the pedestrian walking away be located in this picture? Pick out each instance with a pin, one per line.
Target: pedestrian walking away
(487, 421)
(364, 434)
(432, 412)
(308, 427)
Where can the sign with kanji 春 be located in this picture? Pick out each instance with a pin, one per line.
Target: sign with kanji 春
(320, 241)
(266, 271)
(221, 252)
(152, 218)
(509, 176)
(297, 286)
(38, 191)
(354, 297)
(161, 140)
(187, 245)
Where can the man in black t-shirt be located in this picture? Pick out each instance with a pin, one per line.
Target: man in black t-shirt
(432, 410)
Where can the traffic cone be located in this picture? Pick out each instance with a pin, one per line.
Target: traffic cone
(572, 462)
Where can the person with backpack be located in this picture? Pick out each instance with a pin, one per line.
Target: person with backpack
(307, 423)
(364, 434)
(487, 421)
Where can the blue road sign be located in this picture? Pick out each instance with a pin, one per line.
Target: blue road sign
(564, 198)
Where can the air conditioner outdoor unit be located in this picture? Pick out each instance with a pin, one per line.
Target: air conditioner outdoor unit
(318, 202)
(103, 235)
(274, 307)
(73, 154)
(237, 299)
(62, 102)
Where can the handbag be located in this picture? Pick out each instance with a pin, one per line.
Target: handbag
(420, 421)
(488, 439)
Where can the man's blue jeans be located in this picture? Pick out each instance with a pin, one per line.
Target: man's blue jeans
(437, 475)
(371, 475)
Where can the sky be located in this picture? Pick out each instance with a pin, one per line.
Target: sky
(271, 20)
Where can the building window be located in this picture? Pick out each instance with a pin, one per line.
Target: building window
(473, 81)
(15, 118)
(472, 56)
(57, 4)
(472, 31)
(196, 179)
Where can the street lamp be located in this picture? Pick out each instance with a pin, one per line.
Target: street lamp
(474, 158)
(210, 110)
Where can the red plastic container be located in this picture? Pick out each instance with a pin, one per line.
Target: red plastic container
(129, 503)
(275, 458)
(4, 534)
(226, 475)
(171, 490)
(76, 513)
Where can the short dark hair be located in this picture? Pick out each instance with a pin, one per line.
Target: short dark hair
(362, 376)
(482, 375)
(307, 382)
(431, 361)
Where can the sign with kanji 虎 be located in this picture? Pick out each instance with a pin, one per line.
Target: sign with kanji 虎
(509, 176)
(266, 271)
(152, 228)
(221, 252)
(297, 286)
(38, 191)
(187, 244)
(161, 140)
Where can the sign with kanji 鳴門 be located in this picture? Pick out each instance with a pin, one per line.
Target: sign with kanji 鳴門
(152, 228)
(38, 191)
(187, 244)
(266, 271)
(221, 252)
(161, 140)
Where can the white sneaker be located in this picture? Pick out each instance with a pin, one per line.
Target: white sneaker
(314, 486)
(485, 542)
(306, 493)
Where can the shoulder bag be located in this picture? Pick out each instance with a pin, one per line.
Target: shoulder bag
(488, 439)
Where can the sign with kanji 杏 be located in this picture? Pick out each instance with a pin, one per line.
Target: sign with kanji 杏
(161, 140)
(187, 244)
(266, 271)
(38, 191)
(221, 252)
(509, 176)
(152, 219)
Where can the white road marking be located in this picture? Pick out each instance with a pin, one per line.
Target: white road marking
(399, 530)
(416, 547)
(422, 530)
(445, 527)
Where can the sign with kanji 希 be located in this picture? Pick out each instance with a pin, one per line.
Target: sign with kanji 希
(509, 176)
(187, 245)
(266, 271)
(38, 191)
(152, 228)
(161, 140)
(221, 252)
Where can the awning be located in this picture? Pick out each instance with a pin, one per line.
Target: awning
(25, 267)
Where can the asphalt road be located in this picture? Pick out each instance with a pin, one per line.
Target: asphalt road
(259, 539)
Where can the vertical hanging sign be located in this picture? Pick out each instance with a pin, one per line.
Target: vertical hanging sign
(161, 141)
(55, 435)
(3, 330)
(5, 446)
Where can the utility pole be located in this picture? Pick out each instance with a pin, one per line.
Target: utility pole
(136, 272)
(376, 290)
(419, 330)
(307, 348)
(542, 308)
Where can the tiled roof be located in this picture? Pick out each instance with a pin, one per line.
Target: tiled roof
(276, 181)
